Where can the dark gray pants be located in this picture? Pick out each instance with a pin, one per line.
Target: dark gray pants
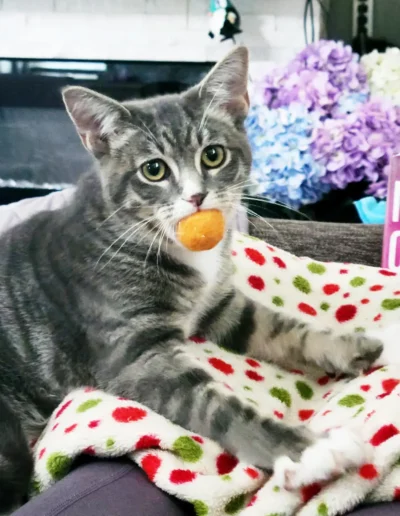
(120, 488)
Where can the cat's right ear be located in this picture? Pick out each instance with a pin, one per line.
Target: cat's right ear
(97, 118)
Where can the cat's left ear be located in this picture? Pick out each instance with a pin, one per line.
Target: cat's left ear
(97, 118)
(225, 86)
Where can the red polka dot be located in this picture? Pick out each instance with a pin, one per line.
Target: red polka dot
(383, 434)
(233, 253)
(252, 363)
(255, 256)
(252, 501)
(343, 271)
(252, 473)
(327, 394)
(376, 288)
(365, 301)
(63, 408)
(308, 492)
(326, 412)
(94, 424)
(279, 262)
(253, 375)
(396, 293)
(323, 380)
(228, 386)
(386, 272)
(226, 463)
(368, 471)
(122, 398)
(42, 452)
(372, 370)
(369, 415)
(304, 415)
(383, 395)
(296, 371)
(278, 414)
(390, 384)
(330, 288)
(198, 439)
(256, 282)
(54, 427)
(198, 340)
(151, 464)
(365, 388)
(270, 248)
(345, 313)
(128, 414)
(147, 441)
(221, 365)
(182, 476)
(307, 309)
(89, 389)
(70, 429)
(346, 295)
(377, 317)
(396, 494)
(89, 451)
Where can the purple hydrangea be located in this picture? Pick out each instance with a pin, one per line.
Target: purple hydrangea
(358, 146)
(317, 77)
(283, 167)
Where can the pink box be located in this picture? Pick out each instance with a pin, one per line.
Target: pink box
(391, 235)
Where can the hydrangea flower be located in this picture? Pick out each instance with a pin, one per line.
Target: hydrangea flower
(383, 71)
(358, 146)
(283, 166)
(317, 77)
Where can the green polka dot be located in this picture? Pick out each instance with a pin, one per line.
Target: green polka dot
(276, 489)
(234, 269)
(89, 404)
(226, 478)
(252, 401)
(187, 449)
(383, 369)
(359, 329)
(351, 400)
(110, 443)
(209, 351)
(277, 281)
(235, 504)
(247, 388)
(361, 409)
(304, 390)
(282, 395)
(200, 508)
(322, 509)
(249, 237)
(36, 486)
(58, 465)
(279, 376)
(316, 268)
(390, 304)
(276, 514)
(277, 301)
(302, 284)
(358, 281)
(325, 306)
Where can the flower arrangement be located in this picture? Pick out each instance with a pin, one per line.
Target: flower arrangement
(318, 127)
(383, 72)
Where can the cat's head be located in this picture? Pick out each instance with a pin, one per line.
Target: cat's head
(164, 158)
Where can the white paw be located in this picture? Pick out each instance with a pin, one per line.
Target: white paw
(327, 458)
(390, 338)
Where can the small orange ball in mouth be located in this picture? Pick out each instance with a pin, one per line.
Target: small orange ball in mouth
(201, 231)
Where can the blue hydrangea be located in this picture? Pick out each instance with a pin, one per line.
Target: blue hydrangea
(283, 166)
(349, 102)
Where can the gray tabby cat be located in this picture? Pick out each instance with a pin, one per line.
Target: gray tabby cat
(100, 293)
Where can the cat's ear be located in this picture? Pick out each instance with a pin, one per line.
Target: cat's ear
(97, 118)
(226, 84)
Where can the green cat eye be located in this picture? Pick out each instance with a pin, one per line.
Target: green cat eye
(155, 170)
(213, 156)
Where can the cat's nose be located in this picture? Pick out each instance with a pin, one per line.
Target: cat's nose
(197, 199)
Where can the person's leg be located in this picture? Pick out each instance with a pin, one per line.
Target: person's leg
(104, 488)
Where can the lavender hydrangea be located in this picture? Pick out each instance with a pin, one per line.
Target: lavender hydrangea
(317, 77)
(358, 146)
(283, 166)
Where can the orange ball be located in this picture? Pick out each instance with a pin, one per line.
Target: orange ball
(201, 231)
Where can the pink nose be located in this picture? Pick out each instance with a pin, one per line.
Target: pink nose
(197, 199)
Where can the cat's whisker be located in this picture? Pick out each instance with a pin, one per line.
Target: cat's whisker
(278, 203)
(151, 245)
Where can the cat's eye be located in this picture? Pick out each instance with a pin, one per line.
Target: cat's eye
(213, 156)
(155, 170)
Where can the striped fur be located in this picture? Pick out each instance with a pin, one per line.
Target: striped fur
(100, 293)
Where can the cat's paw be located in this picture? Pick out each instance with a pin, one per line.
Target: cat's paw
(327, 458)
(367, 350)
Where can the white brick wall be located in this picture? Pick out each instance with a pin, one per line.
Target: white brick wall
(170, 30)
